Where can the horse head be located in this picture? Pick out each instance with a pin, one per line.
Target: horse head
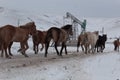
(105, 37)
(31, 27)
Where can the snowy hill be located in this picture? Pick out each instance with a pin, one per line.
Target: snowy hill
(45, 21)
(8, 16)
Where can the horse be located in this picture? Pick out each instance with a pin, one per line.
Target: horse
(116, 45)
(90, 41)
(59, 35)
(80, 42)
(100, 44)
(10, 34)
(38, 38)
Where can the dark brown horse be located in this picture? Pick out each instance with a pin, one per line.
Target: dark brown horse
(59, 35)
(116, 45)
(38, 38)
(10, 34)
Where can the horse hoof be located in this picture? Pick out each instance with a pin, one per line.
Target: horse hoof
(36, 52)
(60, 55)
(19, 50)
(1, 55)
(66, 53)
(8, 57)
(41, 49)
(26, 55)
(45, 56)
(11, 54)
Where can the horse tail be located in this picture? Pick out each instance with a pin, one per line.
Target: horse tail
(48, 35)
(78, 43)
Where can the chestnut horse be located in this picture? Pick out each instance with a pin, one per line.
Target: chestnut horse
(116, 45)
(58, 35)
(38, 38)
(10, 34)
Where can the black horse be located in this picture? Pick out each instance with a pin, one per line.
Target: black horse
(100, 44)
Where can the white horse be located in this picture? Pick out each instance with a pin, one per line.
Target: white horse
(90, 41)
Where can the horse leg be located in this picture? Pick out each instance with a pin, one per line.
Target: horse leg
(26, 44)
(24, 49)
(115, 47)
(102, 48)
(82, 47)
(93, 49)
(9, 48)
(118, 48)
(65, 49)
(56, 48)
(86, 49)
(19, 50)
(35, 48)
(5, 49)
(2, 50)
(63, 45)
(98, 48)
(78, 44)
(46, 48)
(42, 46)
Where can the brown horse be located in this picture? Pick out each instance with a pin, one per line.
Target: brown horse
(58, 35)
(38, 38)
(10, 34)
(116, 45)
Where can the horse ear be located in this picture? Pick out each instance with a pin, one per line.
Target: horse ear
(33, 22)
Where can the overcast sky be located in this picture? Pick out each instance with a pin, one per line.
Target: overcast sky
(83, 8)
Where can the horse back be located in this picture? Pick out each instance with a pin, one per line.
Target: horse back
(53, 33)
(6, 32)
(91, 37)
(116, 43)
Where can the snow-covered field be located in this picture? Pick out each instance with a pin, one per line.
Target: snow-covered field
(74, 66)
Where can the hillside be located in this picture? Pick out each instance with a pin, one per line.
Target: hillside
(44, 21)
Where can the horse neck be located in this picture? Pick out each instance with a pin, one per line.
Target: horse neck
(67, 31)
(27, 29)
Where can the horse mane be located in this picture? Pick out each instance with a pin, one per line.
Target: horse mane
(66, 27)
(27, 25)
(105, 37)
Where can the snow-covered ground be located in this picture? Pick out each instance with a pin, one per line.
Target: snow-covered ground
(74, 66)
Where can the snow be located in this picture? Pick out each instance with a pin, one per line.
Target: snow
(74, 66)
